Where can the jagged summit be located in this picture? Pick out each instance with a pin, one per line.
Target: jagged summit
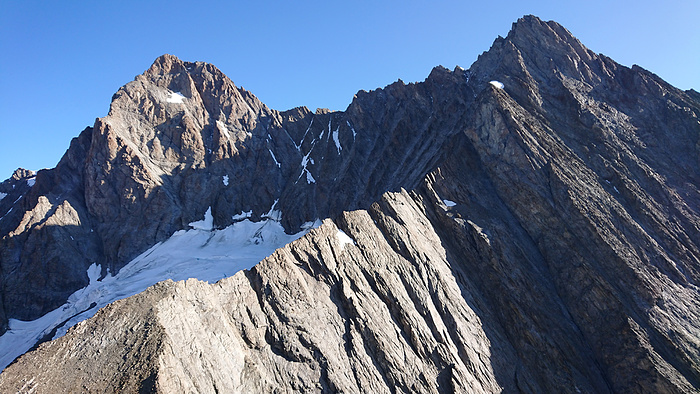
(166, 64)
(538, 50)
(22, 173)
(532, 31)
(527, 225)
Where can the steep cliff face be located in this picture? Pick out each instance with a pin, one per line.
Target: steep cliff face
(47, 238)
(181, 139)
(549, 239)
(599, 164)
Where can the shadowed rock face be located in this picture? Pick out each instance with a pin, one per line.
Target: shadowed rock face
(159, 159)
(548, 241)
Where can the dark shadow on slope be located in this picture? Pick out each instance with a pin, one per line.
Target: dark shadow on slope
(571, 299)
(537, 347)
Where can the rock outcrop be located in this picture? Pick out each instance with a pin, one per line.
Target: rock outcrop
(182, 138)
(530, 224)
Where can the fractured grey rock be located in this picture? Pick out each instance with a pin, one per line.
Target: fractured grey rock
(158, 160)
(549, 240)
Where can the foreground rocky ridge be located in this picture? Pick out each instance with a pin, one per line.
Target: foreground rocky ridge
(407, 304)
(552, 246)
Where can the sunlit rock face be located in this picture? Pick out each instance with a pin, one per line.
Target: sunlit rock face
(529, 224)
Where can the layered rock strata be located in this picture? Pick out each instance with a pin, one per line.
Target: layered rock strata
(549, 239)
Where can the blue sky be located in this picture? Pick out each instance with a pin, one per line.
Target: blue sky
(62, 61)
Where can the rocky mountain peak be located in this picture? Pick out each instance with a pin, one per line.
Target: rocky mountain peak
(167, 64)
(527, 225)
(22, 173)
(322, 111)
(171, 85)
(531, 31)
(538, 53)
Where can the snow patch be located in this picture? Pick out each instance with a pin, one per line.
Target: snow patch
(344, 239)
(242, 215)
(336, 140)
(309, 225)
(186, 254)
(449, 203)
(31, 181)
(309, 178)
(225, 180)
(3, 195)
(93, 273)
(274, 214)
(175, 97)
(6, 213)
(497, 84)
(223, 129)
(274, 158)
(304, 136)
(207, 224)
(351, 128)
(304, 162)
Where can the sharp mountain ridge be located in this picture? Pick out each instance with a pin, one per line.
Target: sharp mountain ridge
(530, 224)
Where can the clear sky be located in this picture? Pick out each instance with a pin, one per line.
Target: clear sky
(61, 61)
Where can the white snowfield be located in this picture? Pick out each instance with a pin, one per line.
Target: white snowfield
(497, 84)
(175, 97)
(344, 239)
(274, 158)
(449, 203)
(202, 253)
(337, 140)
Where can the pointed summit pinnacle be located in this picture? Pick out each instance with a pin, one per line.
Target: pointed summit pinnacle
(166, 64)
(530, 32)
